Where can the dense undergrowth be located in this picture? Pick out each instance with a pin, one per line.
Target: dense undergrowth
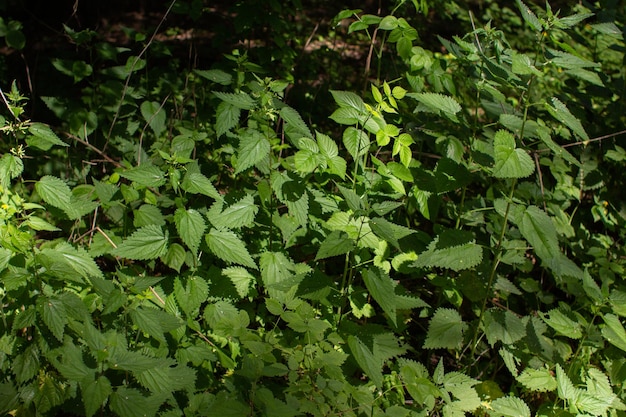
(185, 240)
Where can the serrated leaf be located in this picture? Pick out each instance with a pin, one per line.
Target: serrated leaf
(306, 161)
(10, 167)
(563, 324)
(509, 407)
(95, 393)
(239, 214)
(253, 148)
(528, 16)
(295, 126)
(540, 380)
(439, 103)
(453, 250)
(215, 75)
(197, 183)
(356, 142)
(148, 214)
(389, 231)
(348, 100)
(54, 191)
(154, 114)
(327, 146)
(613, 331)
(190, 226)
(445, 330)
(382, 289)
(145, 175)
(336, 243)
(227, 117)
(565, 388)
(26, 364)
(240, 100)
(43, 137)
(503, 326)
(54, 316)
(276, 269)
(510, 162)
(561, 113)
(241, 279)
(37, 223)
(225, 319)
(154, 322)
(148, 242)
(228, 247)
(130, 402)
(174, 257)
(78, 259)
(190, 293)
(365, 358)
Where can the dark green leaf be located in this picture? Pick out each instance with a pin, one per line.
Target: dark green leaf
(129, 402)
(146, 175)
(510, 162)
(445, 330)
(148, 242)
(190, 226)
(240, 100)
(365, 358)
(382, 289)
(95, 393)
(253, 148)
(154, 115)
(43, 137)
(228, 247)
(227, 118)
(336, 243)
(10, 167)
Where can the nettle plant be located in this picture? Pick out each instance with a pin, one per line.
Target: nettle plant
(435, 256)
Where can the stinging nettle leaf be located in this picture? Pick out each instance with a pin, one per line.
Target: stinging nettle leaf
(540, 380)
(240, 100)
(439, 103)
(510, 407)
(154, 115)
(146, 175)
(253, 148)
(239, 214)
(510, 162)
(382, 289)
(336, 243)
(445, 330)
(228, 247)
(43, 137)
(528, 16)
(190, 226)
(54, 191)
(148, 242)
(613, 331)
(227, 117)
(560, 112)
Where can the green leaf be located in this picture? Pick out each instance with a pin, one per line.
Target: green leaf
(365, 358)
(336, 243)
(154, 115)
(510, 162)
(95, 393)
(295, 126)
(241, 279)
(228, 247)
(78, 259)
(253, 148)
(54, 316)
(190, 226)
(561, 113)
(509, 407)
(145, 175)
(356, 141)
(37, 223)
(347, 99)
(240, 100)
(613, 331)
(154, 322)
(130, 402)
(54, 191)
(215, 75)
(389, 231)
(148, 242)
(445, 330)
(563, 324)
(9, 397)
(26, 364)
(148, 214)
(190, 293)
(540, 380)
(10, 167)
(565, 388)
(503, 326)
(175, 257)
(43, 137)
(438, 103)
(239, 214)
(227, 117)
(226, 320)
(197, 183)
(529, 17)
(452, 249)
(276, 271)
(382, 289)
